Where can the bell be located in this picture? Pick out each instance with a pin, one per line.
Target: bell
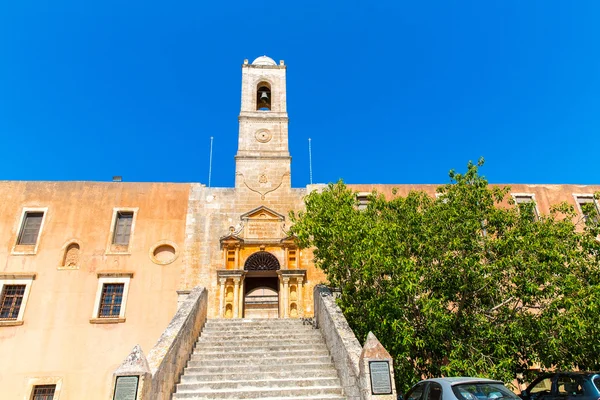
(264, 96)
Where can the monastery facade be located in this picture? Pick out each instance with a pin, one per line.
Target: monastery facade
(90, 269)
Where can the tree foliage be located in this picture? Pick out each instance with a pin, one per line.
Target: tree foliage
(465, 284)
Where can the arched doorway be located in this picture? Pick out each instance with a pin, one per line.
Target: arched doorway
(261, 286)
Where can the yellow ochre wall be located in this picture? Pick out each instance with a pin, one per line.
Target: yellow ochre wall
(57, 338)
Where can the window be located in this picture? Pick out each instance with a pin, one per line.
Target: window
(587, 206)
(292, 259)
(43, 392)
(28, 231)
(541, 386)
(111, 297)
(569, 386)
(110, 303)
(416, 393)
(526, 204)
(32, 222)
(363, 200)
(434, 391)
(14, 292)
(122, 228)
(483, 391)
(230, 259)
(122, 231)
(10, 303)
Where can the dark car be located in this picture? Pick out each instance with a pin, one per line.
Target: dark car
(564, 386)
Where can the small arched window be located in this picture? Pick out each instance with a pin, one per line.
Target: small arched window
(71, 257)
(263, 97)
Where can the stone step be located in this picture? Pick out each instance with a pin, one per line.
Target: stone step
(316, 392)
(192, 376)
(255, 322)
(269, 346)
(235, 325)
(239, 329)
(280, 383)
(197, 367)
(254, 361)
(254, 342)
(289, 336)
(204, 355)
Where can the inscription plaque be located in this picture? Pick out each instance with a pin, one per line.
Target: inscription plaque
(126, 387)
(381, 380)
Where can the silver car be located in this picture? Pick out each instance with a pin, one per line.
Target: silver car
(460, 389)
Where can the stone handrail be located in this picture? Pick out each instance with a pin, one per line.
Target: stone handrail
(168, 357)
(352, 360)
(158, 373)
(343, 345)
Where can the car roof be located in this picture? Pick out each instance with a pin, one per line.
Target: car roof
(457, 380)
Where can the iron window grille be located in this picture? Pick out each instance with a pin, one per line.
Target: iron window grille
(110, 302)
(43, 392)
(12, 297)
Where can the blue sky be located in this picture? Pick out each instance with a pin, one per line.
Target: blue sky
(389, 92)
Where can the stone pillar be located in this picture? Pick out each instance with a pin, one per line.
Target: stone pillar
(286, 258)
(241, 302)
(286, 297)
(222, 281)
(376, 371)
(299, 289)
(280, 296)
(236, 294)
(236, 263)
(132, 376)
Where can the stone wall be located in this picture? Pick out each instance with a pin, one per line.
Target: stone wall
(59, 337)
(352, 361)
(343, 345)
(169, 356)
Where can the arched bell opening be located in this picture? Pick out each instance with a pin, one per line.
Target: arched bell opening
(263, 96)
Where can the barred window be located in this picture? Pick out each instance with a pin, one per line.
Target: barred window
(12, 297)
(30, 229)
(123, 227)
(110, 302)
(43, 392)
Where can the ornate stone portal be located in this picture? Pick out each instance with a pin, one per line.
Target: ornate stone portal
(261, 277)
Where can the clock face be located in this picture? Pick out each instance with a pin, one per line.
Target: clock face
(263, 135)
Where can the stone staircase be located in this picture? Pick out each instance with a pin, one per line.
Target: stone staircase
(259, 359)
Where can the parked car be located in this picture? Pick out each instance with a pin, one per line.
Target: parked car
(460, 389)
(564, 386)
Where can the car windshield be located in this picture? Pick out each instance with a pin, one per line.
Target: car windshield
(483, 391)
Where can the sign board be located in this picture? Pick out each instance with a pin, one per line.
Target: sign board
(126, 387)
(381, 379)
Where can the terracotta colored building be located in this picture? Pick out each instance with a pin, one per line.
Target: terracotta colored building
(89, 269)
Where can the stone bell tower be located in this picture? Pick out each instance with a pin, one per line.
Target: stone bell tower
(262, 163)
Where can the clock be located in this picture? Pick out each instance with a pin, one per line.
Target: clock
(263, 135)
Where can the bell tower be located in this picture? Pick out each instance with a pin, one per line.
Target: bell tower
(262, 163)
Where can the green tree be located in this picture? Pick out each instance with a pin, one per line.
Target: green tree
(467, 283)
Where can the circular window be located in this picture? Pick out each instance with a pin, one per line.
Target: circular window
(163, 252)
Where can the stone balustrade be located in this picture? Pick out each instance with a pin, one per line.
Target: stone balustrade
(160, 371)
(351, 360)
